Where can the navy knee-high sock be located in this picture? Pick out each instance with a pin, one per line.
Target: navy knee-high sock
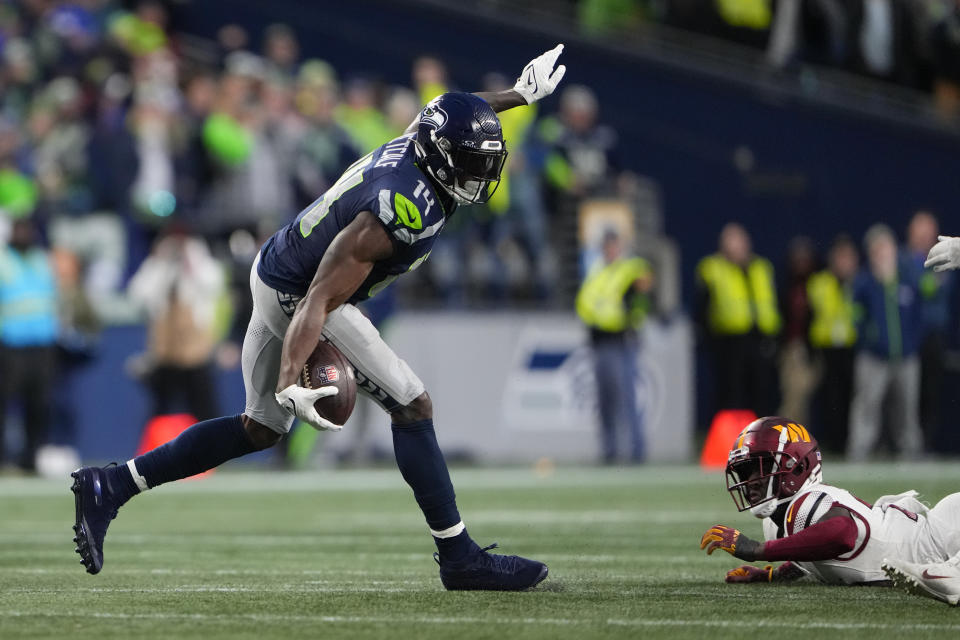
(423, 467)
(203, 446)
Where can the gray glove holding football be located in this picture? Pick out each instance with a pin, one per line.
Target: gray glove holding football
(539, 77)
(944, 255)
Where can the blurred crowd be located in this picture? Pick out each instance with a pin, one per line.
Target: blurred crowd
(914, 43)
(141, 169)
(858, 348)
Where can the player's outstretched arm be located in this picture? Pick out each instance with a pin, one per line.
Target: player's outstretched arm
(834, 535)
(537, 80)
(345, 265)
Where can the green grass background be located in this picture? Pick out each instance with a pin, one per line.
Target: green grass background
(247, 554)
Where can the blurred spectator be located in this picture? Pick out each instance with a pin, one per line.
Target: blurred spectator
(797, 373)
(28, 332)
(18, 192)
(282, 52)
(833, 334)
(21, 78)
(325, 149)
(179, 286)
(402, 108)
(429, 78)
(876, 36)
(746, 21)
(514, 220)
(194, 168)
(231, 38)
(600, 17)
(816, 31)
(142, 32)
(360, 116)
(582, 159)
(229, 138)
(613, 303)
(59, 136)
(889, 326)
(279, 130)
(945, 46)
(935, 294)
(738, 316)
(77, 344)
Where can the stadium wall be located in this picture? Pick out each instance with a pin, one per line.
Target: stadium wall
(507, 387)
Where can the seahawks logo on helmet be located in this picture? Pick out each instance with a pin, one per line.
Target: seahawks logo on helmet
(432, 114)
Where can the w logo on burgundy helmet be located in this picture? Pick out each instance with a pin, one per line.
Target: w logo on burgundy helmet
(795, 432)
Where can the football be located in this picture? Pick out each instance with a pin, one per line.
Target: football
(327, 366)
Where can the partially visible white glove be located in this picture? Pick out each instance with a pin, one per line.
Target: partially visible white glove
(944, 255)
(539, 78)
(298, 401)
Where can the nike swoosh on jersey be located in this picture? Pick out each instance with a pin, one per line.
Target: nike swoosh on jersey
(929, 576)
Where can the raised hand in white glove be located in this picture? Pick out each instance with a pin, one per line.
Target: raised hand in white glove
(944, 255)
(539, 78)
(298, 401)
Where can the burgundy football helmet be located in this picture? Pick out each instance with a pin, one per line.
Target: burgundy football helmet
(771, 460)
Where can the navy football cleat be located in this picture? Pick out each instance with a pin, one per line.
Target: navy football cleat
(482, 571)
(95, 509)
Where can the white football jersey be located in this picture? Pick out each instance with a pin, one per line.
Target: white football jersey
(891, 532)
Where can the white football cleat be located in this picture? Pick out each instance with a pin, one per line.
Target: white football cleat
(939, 580)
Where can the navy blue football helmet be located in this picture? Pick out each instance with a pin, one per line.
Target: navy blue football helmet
(460, 145)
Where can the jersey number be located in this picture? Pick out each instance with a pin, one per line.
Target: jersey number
(350, 178)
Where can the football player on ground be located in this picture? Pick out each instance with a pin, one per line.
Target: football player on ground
(944, 255)
(378, 221)
(774, 471)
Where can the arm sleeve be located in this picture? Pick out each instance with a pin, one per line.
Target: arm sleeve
(823, 541)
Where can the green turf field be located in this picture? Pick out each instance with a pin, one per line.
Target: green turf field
(345, 554)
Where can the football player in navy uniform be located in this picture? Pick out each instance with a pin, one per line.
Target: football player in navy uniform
(378, 221)
(774, 471)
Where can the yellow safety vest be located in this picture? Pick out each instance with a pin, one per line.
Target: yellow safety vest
(601, 299)
(515, 124)
(740, 300)
(831, 305)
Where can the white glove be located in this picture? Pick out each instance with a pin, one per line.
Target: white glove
(944, 255)
(539, 78)
(298, 401)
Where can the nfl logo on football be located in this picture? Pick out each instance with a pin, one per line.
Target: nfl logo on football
(328, 374)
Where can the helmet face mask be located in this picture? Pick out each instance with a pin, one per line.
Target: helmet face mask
(771, 461)
(460, 143)
(755, 480)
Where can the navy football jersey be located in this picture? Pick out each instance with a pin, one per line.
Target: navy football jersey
(385, 182)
